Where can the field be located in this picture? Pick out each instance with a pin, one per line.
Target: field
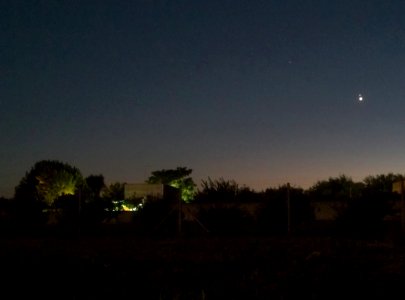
(129, 267)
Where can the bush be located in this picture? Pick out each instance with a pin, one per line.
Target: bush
(227, 220)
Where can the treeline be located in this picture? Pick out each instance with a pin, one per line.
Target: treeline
(53, 192)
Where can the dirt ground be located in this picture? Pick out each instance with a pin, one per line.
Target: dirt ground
(129, 267)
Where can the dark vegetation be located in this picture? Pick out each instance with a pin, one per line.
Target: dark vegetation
(61, 239)
(201, 268)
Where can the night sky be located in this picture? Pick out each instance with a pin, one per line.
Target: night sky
(261, 92)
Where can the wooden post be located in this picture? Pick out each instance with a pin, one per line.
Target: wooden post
(402, 206)
(288, 209)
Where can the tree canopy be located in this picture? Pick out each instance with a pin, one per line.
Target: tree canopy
(47, 180)
(381, 182)
(335, 188)
(219, 190)
(178, 178)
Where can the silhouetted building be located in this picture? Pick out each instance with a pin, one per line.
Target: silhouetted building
(152, 192)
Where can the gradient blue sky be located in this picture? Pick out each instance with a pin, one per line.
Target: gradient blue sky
(262, 92)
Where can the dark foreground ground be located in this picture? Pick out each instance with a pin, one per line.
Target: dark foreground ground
(208, 268)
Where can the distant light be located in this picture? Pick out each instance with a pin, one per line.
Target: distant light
(360, 97)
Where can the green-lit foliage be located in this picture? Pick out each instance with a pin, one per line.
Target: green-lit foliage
(178, 178)
(47, 181)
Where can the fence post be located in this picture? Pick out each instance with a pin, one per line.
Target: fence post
(288, 209)
(402, 206)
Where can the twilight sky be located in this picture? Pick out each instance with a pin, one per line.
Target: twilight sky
(262, 92)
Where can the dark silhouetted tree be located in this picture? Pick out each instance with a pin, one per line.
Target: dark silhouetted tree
(95, 184)
(114, 191)
(44, 183)
(113, 196)
(225, 215)
(365, 214)
(335, 188)
(221, 190)
(381, 183)
(94, 208)
(218, 190)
